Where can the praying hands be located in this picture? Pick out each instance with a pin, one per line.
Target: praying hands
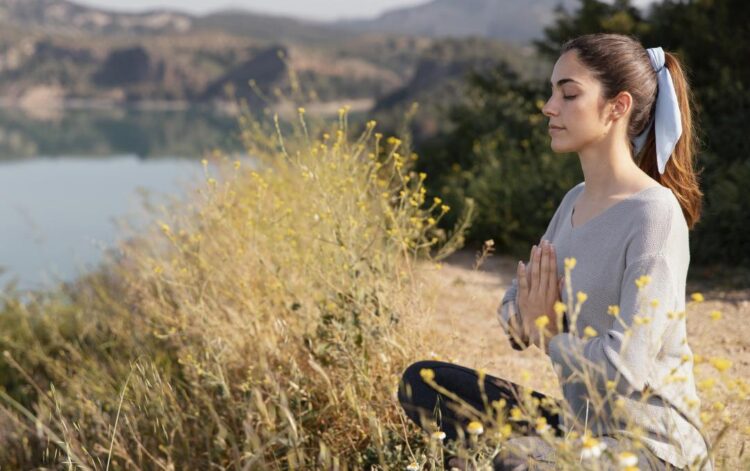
(539, 288)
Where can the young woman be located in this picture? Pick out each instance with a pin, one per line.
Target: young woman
(624, 232)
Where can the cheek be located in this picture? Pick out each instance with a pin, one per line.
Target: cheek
(583, 118)
(582, 125)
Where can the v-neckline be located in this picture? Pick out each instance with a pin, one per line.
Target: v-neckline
(573, 207)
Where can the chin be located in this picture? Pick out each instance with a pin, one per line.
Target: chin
(560, 147)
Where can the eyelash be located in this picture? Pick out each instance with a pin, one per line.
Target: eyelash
(569, 97)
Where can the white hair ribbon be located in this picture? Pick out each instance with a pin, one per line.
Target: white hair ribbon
(666, 115)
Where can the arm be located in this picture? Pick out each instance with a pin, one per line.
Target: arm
(626, 352)
(508, 316)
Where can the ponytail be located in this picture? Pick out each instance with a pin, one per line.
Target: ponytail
(679, 174)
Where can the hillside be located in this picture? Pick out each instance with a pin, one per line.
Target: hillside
(54, 52)
(509, 20)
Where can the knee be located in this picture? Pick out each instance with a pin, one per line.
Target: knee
(411, 379)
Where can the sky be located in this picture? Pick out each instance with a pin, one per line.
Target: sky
(308, 9)
(322, 10)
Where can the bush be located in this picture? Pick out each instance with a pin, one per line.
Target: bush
(256, 326)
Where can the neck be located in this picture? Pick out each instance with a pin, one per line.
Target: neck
(608, 167)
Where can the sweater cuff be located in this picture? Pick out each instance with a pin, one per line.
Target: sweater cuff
(507, 310)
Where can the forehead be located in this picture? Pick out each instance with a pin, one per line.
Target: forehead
(569, 67)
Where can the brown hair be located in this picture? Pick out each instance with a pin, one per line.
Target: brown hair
(621, 63)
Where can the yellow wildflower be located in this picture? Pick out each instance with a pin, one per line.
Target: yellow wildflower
(570, 262)
(475, 428)
(427, 374)
(613, 310)
(715, 315)
(697, 297)
(515, 413)
(589, 331)
(642, 281)
(541, 322)
(506, 430)
(499, 404)
(592, 448)
(542, 425)
(721, 364)
(582, 297)
(627, 460)
(559, 308)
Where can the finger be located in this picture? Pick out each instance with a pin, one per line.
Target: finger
(523, 285)
(536, 278)
(530, 265)
(544, 270)
(552, 270)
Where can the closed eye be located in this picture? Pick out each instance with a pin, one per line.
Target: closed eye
(569, 97)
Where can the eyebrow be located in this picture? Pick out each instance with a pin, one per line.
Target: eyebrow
(565, 80)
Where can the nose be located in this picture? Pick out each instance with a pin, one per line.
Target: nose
(548, 109)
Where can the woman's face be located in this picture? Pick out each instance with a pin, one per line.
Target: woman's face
(575, 107)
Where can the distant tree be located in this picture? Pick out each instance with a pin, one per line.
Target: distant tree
(497, 151)
(713, 39)
(592, 16)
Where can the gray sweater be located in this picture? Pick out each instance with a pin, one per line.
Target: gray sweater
(644, 234)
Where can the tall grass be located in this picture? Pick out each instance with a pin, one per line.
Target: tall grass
(257, 325)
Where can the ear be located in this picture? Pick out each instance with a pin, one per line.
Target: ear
(621, 105)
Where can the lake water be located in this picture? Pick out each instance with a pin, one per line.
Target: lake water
(66, 180)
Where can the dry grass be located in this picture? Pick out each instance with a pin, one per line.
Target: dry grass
(265, 323)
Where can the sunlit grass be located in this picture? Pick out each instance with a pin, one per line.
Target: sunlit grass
(259, 326)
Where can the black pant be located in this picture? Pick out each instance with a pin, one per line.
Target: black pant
(419, 399)
(424, 404)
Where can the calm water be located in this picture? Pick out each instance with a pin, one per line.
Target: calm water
(65, 181)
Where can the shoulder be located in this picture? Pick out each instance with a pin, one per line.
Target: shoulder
(656, 209)
(657, 224)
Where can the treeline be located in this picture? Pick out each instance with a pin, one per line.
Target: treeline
(497, 151)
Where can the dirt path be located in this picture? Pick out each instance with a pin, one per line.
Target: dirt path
(463, 328)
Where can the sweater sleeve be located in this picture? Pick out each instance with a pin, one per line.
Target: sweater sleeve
(623, 354)
(509, 308)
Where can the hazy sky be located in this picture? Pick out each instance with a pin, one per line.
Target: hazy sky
(308, 9)
(311, 9)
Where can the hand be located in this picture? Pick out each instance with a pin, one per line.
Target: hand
(539, 289)
(530, 270)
